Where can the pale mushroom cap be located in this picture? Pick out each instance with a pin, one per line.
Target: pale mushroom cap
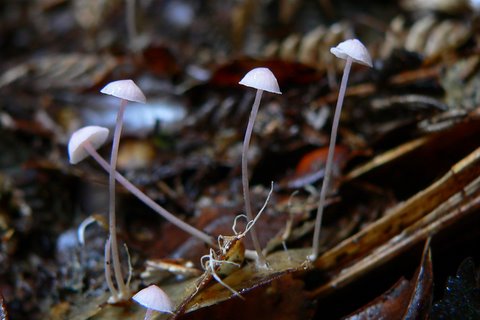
(354, 49)
(152, 297)
(261, 79)
(93, 134)
(125, 89)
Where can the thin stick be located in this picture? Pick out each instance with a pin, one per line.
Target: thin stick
(329, 165)
(123, 290)
(148, 201)
(246, 188)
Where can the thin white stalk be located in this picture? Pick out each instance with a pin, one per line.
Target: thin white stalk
(108, 271)
(149, 314)
(329, 165)
(117, 268)
(245, 183)
(148, 201)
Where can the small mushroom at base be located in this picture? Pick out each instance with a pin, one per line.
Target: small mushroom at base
(154, 299)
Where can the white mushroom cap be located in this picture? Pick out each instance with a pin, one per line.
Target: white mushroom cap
(152, 297)
(354, 49)
(93, 134)
(124, 89)
(261, 79)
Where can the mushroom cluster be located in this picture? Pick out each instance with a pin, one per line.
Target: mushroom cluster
(85, 142)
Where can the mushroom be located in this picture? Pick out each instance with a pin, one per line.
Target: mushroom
(87, 140)
(352, 51)
(126, 90)
(261, 79)
(93, 136)
(81, 144)
(154, 299)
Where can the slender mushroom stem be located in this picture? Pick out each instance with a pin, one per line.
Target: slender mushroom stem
(246, 189)
(148, 314)
(329, 165)
(122, 288)
(148, 201)
(108, 271)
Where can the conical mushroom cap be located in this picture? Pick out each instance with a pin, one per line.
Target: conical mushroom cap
(94, 134)
(124, 89)
(354, 49)
(261, 79)
(152, 297)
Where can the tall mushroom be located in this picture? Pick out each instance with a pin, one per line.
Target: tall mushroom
(154, 299)
(126, 90)
(352, 51)
(261, 79)
(85, 142)
(81, 144)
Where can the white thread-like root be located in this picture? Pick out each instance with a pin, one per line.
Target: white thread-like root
(210, 262)
(251, 223)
